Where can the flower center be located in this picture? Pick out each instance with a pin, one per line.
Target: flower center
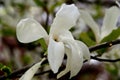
(55, 37)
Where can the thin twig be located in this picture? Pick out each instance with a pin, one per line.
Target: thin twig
(105, 60)
(94, 48)
(47, 19)
(104, 45)
(98, 2)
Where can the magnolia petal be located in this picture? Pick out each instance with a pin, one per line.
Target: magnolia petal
(62, 36)
(30, 73)
(65, 18)
(91, 23)
(110, 21)
(76, 57)
(29, 30)
(55, 54)
(117, 2)
(76, 60)
(65, 35)
(67, 69)
(84, 49)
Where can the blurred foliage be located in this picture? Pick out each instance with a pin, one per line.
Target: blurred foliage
(5, 69)
(40, 3)
(26, 59)
(43, 44)
(86, 39)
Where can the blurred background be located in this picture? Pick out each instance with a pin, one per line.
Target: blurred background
(15, 55)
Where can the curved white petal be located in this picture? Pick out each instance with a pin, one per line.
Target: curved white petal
(110, 21)
(55, 54)
(91, 23)
(29, 30)
(84, 49)
(117, 2)
(65, 18)
(67, 69)
(76, 58)
(30, 73)
(65, 35)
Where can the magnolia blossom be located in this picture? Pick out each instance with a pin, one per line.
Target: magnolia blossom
(60, 40)
(109, 23)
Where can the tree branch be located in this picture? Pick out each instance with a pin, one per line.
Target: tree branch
(104, 45)
(99, 2)
(15, 73)
(105, 60)
(94, 48)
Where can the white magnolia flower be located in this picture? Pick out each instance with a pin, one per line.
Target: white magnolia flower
(109, 23)
(60, 40)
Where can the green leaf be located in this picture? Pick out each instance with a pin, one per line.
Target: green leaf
(91, 35)
(26, 59)
(39, 3)
(7, 31)
(99, 12)
(86, 39)
(112, 36)
(57, 3)
(1, 65)
(5, 69)
(43, 44)
(112, 69)
(101, 51)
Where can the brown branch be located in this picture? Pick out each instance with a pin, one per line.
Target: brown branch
(47, 18)
(105, 60)
(98, 2)
(104, 45)
(94, 48)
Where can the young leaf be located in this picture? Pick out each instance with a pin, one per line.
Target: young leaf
(7, 31)
(86, 39)
(112, 36)
(39, 3)
(5, 69)
(43, 44)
